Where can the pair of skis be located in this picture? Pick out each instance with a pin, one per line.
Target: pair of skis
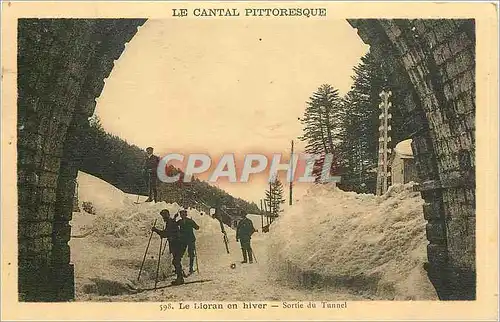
(224, 234)
(222, 229)
(135, 290)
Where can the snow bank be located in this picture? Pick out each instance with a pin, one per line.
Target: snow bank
(119, 221)
(123, 227)
(374, 245)
(104, 196)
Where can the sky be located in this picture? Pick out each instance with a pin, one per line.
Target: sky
(225, 86)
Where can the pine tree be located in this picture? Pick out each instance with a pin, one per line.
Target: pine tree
(322, 125)
(274, 197)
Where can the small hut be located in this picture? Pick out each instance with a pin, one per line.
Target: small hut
(403, 168)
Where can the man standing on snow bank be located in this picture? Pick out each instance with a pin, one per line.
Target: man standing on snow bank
(244, 233)
(149, 168)
(188, 238)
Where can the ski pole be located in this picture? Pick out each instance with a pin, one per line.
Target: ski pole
(166, 241)
(158, 264)
(145, 253)
(149, 185)
(196, 258)
(226, 242)
(253, 254)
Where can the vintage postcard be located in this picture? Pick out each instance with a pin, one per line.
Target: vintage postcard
(249, 160)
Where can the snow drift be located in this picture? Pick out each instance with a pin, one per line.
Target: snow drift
(104, 196)
(373, 245)
(119, 221)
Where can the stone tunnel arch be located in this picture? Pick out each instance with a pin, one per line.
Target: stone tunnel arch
(62, 64)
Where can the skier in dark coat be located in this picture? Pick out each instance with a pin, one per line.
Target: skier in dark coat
(175, 244)
(244, 233)
(150, 170)
(188, 239)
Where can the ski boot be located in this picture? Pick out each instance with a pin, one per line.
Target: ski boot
(178, 281)
(244, 256)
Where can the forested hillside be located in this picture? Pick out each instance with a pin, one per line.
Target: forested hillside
(118, 162)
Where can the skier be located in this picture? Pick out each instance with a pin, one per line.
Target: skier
(188, 238)
(149, 168)
(175, 245)
(244, 233)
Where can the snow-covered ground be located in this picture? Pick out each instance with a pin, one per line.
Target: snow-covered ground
(322, 236)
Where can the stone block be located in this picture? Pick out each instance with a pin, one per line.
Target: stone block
(458, 241)
(437, 254)
(469, 209)
(391, 29)
(39, 212)
(28, 158)
(470, 196)
(463, 104)
(462, 61)
(443, 31)
(51, 163)
(64, 210)
(430, 38)
(61, 254)
(29, 140)
(34, 229)
(37, 246)
(459, 42)
(462, 83)
(27, 196)
(47, 195)
(436, 232)
(25, 214)
(46, 211)
(62, 232)
(466, 141)
(433, 210)
(419, 26)
(48, 179)
(442, 53)
(27, 178)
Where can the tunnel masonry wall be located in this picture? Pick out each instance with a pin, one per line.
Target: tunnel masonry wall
(62, 64)
(438, 56)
